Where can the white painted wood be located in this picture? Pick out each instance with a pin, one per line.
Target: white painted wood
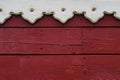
(62, 10)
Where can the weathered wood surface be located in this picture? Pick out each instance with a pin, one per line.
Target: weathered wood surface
(59, 41)
(40, 40)
(101, 40)
(59, 67)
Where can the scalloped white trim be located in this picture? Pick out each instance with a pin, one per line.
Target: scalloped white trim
(62, 10)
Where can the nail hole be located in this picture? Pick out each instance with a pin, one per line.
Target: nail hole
(1, 10)
(41, 48)
(93, 9)
(31, 10)
(63, 9)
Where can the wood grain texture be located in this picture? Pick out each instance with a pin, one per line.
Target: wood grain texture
(40, 41)
(101, 41)
(59, 67)
(59, 41)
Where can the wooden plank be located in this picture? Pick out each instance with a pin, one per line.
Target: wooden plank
(40, 40)
(9, 68)
(59, 41)
(60, 67)
(102, 67)
(49, 21)
(101, 41)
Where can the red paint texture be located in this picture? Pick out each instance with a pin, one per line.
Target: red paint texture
(60, 40)
(40, 40)
(59, 67)
(101, 41)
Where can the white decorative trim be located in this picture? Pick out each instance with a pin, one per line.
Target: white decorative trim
(62, 10)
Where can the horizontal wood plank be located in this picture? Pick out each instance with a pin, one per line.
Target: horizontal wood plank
(59, 41)
(101, 41)
(60, 67)
(40, 40)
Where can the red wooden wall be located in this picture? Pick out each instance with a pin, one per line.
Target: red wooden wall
(49, 50)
